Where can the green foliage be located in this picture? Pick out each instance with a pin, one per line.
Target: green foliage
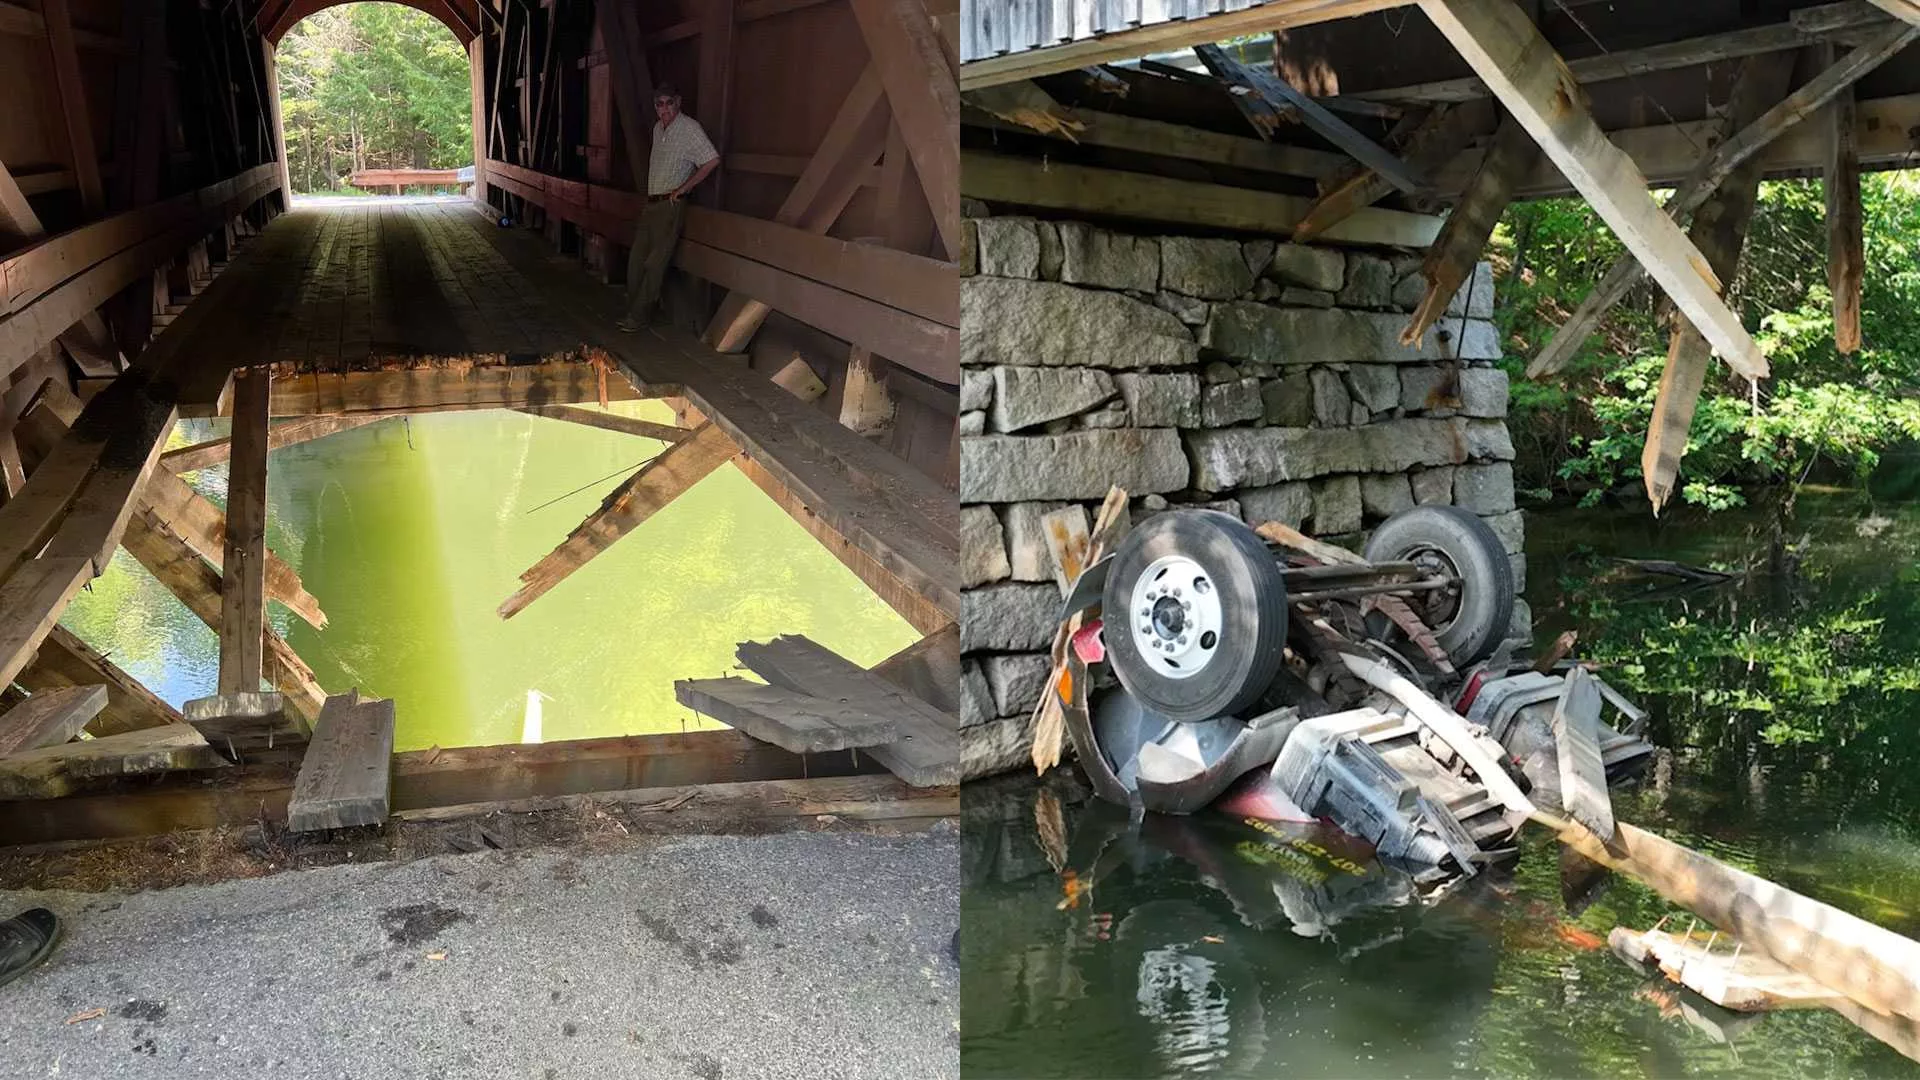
(1583, 432)
(372, 85)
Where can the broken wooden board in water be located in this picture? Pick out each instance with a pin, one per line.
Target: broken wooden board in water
(50, 717)
(926, 750)
(53, 771)
(246, 722)
(1583, 772)
(1718, 969)
(792, 721)
(346, 777)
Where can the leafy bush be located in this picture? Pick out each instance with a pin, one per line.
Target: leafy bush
(1582, 432)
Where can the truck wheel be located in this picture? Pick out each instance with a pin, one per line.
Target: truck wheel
(1195, 615)
(1469, 619)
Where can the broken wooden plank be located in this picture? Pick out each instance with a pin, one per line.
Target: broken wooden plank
(1730, 976)
(1248, 82)
(1507, 51)
(289, 433)
(867, 798)
(346, 777)
(65, 661)
(1719, 230)
(610, 421)
(1846, 230)
(243, 575)
(242, 723)
(927, 751)
(792, 721)
(657, 483)
(50, 717)
(866, 401)
(929, 669)
(1583, 776)
(1452, 258)
(53, 771)
(1707, 177)
(853, 141)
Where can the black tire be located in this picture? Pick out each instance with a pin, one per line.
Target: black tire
(1468, 624)
(1253, 609)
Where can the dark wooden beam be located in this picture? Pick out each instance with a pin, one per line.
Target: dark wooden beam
(71, 89)
(1507, 51)
(1453, 256)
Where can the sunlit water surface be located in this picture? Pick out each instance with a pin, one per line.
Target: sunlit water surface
(410, 532)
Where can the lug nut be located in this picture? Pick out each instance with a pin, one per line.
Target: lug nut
(1186, 605)
(1176, 592)
(1181, 640)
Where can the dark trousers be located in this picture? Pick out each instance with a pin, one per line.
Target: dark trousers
(654, 236)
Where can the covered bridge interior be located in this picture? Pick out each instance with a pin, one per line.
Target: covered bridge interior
(154, 265)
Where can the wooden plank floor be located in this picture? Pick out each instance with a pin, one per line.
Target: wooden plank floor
(379, 285)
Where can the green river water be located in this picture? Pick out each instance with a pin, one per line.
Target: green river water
(410, 532)
(1786, 707)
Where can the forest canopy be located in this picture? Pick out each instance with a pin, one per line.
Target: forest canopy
(373, 85)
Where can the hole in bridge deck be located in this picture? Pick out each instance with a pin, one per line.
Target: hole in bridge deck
(411, 531)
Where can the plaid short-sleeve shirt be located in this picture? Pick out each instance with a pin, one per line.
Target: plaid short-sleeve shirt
(678, 150)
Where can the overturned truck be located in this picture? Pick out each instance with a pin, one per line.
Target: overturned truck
(1277, 677)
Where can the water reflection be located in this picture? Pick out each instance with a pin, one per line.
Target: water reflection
(1098, 946)
(411, 531)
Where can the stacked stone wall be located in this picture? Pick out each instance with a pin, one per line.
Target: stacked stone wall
(1260, 378)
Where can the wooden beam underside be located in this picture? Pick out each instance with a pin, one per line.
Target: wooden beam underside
(611, 421)
(1051, 185)
(660, 481)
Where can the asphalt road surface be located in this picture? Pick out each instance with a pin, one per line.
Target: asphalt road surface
(817, 955)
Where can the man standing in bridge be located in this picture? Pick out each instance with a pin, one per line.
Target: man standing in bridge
(682, 157)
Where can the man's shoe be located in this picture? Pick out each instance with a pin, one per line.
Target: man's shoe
(25, 941)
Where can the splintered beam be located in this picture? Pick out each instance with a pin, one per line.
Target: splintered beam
(1846, 228)
(289, 433)
(1507, 51)
(187, 512)
(1277, 94)
(1451, 259)
(609, 421)
(1720, 231)
(657, 483)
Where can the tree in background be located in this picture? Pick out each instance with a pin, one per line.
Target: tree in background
(372, 86)
(1582, 431)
